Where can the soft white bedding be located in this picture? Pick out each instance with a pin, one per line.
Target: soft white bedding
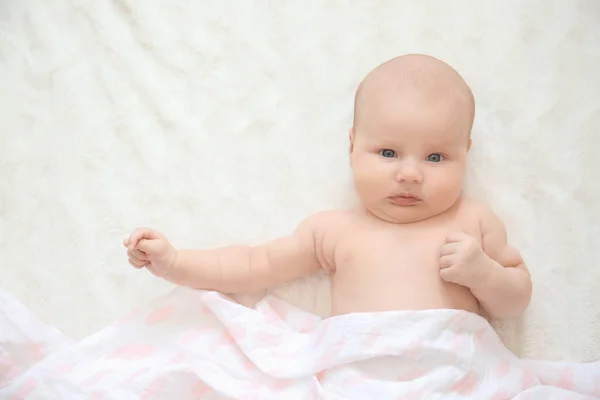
(193, 344)
(226, 121)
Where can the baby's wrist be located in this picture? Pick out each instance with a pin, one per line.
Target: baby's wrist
(174, 258)
(488, 269)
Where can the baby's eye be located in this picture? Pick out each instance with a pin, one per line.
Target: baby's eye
(387, 153)
(435, 157)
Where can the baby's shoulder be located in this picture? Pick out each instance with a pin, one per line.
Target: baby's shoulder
(472, 204)
(476, 211)
(329, 220)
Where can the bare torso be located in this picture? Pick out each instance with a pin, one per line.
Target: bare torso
(380, 266)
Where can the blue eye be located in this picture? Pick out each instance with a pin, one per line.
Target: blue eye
(387, 153)
(435, 158)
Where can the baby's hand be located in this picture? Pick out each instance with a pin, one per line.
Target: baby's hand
(463, 261)
(151, 249)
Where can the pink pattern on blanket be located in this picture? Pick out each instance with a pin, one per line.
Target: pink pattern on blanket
(239, 352)
(502, 369)
(565, 380)
(200, 389)
(528, 379)
(466, 385)
(24, 390)
(132, 351)
(153, 388)
(160, 315)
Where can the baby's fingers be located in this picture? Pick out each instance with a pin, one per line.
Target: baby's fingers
(139, 234)
(136, 258)
(450, 248)
(138, 264)
(140, 255)
(455, 237)
(449, 274)
(446, 262)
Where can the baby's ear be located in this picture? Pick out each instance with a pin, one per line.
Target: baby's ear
(470, 143)
(351, 137)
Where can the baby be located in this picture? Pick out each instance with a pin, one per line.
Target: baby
(415, 242)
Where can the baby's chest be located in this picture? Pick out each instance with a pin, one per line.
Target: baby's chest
(391, 250)
(418, 245)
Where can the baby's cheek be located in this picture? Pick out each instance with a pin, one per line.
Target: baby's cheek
(368, 184)
(444, 188)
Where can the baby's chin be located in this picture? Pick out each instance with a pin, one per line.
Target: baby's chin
(404, 214)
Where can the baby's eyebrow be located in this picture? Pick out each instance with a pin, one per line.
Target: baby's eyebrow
(443, 145)
(452, 143)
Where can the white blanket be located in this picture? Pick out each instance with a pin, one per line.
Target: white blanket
(225, 121)
(201, 345)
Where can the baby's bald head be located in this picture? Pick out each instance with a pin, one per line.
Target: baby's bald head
(423, 79)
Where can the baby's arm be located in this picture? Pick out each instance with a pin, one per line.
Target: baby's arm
(240, 268)
(506, 292)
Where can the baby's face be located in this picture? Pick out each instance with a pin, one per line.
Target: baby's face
(409, 156)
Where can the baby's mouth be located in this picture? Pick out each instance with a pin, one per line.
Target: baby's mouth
(405, 199)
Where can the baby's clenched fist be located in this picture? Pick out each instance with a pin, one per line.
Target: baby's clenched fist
(463, 261)
(150, 249)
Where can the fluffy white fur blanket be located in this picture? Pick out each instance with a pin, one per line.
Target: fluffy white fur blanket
(226, 121)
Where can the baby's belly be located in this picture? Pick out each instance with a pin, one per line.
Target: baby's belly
(405, 287)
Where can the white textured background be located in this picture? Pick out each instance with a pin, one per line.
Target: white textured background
(226, 121)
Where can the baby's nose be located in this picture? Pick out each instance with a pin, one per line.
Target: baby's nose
(409, 172)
